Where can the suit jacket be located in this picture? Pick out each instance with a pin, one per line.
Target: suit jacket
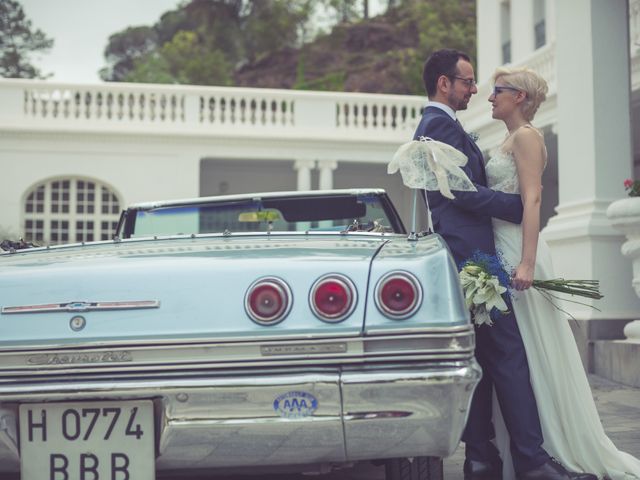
(465, 222)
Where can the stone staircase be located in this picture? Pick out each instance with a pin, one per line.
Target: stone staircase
(610, 350)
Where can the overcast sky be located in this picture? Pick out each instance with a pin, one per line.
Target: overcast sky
(81, 30)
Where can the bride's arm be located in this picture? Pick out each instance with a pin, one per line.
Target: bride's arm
(528, 151)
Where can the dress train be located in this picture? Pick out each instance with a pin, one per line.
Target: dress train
(571, 426)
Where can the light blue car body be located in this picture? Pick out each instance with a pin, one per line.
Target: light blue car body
(196, 340)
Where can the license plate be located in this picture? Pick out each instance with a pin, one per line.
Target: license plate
(87, 441)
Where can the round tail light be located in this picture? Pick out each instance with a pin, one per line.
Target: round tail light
(398, 295)
(332, 298)
(268, 301)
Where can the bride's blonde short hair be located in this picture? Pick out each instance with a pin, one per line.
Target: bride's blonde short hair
(527, 81)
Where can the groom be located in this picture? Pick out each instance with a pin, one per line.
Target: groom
(465, 224)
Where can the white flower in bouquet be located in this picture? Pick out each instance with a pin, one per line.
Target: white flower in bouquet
(482, 293)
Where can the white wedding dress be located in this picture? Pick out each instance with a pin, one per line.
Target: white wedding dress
(571, 427)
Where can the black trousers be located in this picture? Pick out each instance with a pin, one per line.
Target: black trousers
(501, 354)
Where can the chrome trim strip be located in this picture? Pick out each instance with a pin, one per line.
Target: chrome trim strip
(344, 350)
(82, 306)
(11, 375)
(209, 422)
(376, 415)
(373, 236)
(275, 338)
(338, 192)
(145, 386)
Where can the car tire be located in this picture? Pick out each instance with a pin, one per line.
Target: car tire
(416, 468)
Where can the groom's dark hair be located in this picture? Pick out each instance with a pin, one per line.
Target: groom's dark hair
(441, 62)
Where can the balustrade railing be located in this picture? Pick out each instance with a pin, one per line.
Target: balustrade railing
(33, 103)
(88, 103)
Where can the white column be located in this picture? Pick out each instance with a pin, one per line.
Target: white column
(522, 33)
(594, 152)
(634, 14)
(550, 20)
(326, 168)
(489, 46)
(304, 167)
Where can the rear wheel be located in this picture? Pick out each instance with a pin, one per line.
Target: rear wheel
(416, 468)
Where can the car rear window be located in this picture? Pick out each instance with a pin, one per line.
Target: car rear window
(347, 212)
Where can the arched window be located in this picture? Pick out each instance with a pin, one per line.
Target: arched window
(68, 210)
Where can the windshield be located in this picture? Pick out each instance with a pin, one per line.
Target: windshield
(368, 212)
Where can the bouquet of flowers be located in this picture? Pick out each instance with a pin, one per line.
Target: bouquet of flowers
(484, 279)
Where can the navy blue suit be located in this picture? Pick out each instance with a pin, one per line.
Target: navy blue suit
(465, 224)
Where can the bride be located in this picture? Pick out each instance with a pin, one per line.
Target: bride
(570, 423)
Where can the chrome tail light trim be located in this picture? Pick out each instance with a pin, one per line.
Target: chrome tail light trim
(407, 312)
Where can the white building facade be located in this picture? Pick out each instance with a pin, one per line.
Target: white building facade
(72, 156)
(589, 52)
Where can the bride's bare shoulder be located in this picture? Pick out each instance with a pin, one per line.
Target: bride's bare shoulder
(527, 137)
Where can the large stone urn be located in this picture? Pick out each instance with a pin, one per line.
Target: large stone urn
(625, 216)
(622, 355)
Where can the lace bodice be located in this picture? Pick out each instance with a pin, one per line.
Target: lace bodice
(502, 174)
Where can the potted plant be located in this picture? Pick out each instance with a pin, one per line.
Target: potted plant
(625, 216)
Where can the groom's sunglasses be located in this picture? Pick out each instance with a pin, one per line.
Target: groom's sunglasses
(497, 90)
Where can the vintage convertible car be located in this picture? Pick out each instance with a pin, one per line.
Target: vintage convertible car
(299, 331)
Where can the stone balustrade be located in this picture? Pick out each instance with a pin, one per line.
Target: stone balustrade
(35, 104)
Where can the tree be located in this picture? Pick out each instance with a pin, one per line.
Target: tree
(125, 48)
(450, 24)
(183, 60)
(142, 54)
(271, 25)
(18, 41)
(204, 41)
(345, 10)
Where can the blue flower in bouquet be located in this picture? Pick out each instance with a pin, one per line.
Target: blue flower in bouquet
(484, 280)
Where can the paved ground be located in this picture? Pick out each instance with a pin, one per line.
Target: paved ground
(619, 408)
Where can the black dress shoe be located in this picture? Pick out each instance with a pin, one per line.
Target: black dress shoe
(477, 470)
(582, 476)
(553, 470)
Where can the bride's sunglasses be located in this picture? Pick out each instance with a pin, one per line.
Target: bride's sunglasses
(497, 90)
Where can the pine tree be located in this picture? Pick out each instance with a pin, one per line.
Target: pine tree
(18, 40)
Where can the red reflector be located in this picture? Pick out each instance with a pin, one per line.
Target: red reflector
(398, 295)
(267, 301)
(332, 298)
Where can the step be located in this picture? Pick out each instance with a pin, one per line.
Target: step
(617, 360)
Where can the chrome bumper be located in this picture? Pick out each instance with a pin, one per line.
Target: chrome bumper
(218, 419)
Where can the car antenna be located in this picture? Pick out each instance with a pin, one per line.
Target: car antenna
(414, 216)
(414, 213)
